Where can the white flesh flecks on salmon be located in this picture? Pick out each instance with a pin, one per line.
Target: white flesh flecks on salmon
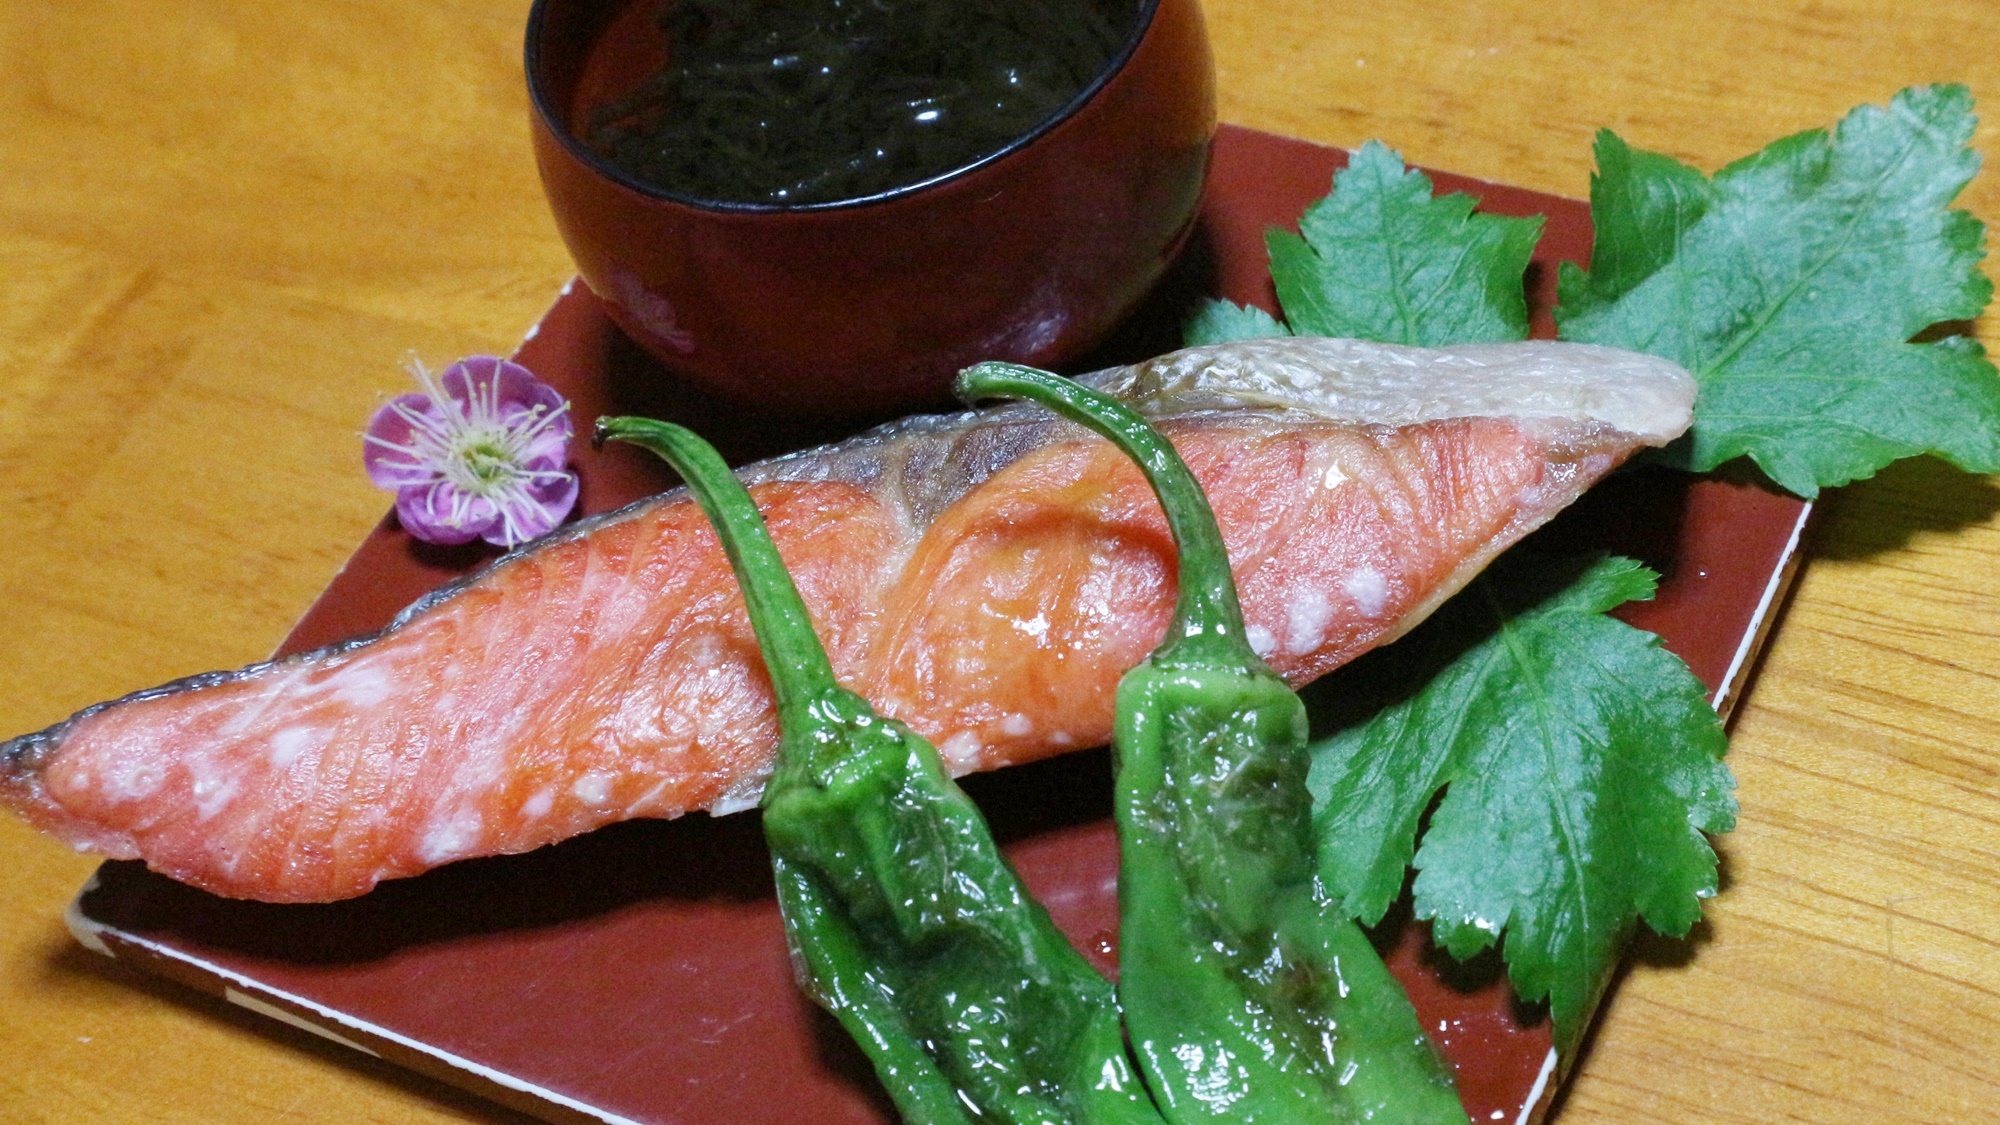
(985, 577)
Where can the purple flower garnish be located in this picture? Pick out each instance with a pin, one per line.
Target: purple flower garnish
(481, 453)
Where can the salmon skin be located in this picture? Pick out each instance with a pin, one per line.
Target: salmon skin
(985, 577)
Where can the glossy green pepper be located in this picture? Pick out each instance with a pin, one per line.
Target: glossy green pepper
(904, 919)
(1247, 994)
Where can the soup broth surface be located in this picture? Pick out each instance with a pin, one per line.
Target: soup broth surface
(814, 101)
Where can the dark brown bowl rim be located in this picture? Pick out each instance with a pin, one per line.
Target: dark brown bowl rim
(555, 123)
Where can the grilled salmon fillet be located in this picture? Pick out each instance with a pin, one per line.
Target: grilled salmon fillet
(984, 576)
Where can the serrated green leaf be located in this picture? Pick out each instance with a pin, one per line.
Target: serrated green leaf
(1382, 259)
(1219, 322)
(1641, 204)
(1791, 286)
(1580, 762)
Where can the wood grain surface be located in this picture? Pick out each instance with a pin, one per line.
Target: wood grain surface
(226, 224)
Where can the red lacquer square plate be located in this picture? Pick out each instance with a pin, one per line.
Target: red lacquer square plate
(639, 974)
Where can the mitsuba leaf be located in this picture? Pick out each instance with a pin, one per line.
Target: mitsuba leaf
(1580, 764)
(1382, 259)
(1792, 286)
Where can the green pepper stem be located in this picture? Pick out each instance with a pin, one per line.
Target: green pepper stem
(1208, 621)
(797, 662)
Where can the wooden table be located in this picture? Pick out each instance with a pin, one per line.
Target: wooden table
(226, 224)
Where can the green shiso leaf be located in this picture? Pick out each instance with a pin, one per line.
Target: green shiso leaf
(1219, 322)
(1792, 285)
(1382, 259)
(1550, 772)
(1580, 762)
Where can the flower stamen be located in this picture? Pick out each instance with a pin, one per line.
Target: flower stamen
(478, 454)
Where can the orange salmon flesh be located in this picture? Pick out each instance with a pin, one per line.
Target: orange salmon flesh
(985, 578)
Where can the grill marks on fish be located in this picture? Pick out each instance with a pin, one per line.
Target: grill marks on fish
(985, 577)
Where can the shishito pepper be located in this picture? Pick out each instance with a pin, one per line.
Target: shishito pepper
(904, 919)
(1247, 994)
